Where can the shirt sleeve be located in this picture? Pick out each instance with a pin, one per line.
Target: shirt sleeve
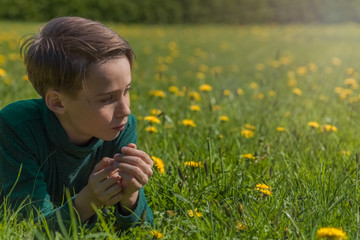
(142, 213)
(23, 181)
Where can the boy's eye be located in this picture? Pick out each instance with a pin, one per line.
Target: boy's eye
(127, 90)
(108, 99)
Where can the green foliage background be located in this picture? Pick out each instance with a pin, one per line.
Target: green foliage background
(313, 174)
(186, 11)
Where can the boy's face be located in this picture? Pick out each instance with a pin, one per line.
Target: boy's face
(102, 109)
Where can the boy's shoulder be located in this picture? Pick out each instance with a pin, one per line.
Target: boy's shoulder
(22, 111)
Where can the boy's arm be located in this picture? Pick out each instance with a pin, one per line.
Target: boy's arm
(23, 182)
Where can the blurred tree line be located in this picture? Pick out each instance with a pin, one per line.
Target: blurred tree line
(186, 11)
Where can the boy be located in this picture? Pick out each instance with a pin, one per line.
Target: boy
(80, 135)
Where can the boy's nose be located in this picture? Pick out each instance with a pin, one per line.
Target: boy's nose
(122, 109)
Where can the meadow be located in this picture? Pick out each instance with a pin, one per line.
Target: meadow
(253, 130)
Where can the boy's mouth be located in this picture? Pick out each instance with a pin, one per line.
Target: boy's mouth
(120, 128)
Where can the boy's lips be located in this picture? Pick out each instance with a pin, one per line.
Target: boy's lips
(120, 128)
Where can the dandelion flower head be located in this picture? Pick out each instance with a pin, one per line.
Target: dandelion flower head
(331, 233)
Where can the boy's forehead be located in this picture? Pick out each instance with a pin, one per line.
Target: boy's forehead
(106, 75)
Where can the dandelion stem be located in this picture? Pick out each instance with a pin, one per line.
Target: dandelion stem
(210, 157)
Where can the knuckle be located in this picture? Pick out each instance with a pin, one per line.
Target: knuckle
(97, 192)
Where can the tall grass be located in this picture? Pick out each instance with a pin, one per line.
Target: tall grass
(277, 76)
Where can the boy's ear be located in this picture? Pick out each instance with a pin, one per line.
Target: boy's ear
(53, 101)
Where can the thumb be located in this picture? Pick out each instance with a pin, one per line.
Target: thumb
(105, 162)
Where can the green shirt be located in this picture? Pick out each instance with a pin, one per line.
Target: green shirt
(33, 140)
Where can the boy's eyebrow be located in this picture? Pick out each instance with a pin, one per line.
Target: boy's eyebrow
(107, 93)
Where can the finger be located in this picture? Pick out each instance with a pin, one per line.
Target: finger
(134, 172)
(103, 174)
(105, 162)
(132, 145)
(138, 153)
(113, 190)
(109, 182)
(136, 161)
(115, 199)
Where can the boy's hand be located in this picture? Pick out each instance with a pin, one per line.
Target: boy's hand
(104, 183)
(135, 168)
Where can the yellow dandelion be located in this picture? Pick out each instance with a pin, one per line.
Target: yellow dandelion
(234, 68)
(156, 234)
(280, 129)
(292, 82)
(194, 164)
(291, 74)
(272, 93)
(216, 70)
(224, 118)
(220, 136)
(159, 164)
(226, 92)
(351, 82)
(25, 78)
(2, 59)
(345, 152)
(313, 124)
(249, 126)
(159, 94)
(248, 156)
(151, 129)
(195, 108)
(297, 91)
(14, 56)
(260, 67)
(247, 133)
(216, 108)
(194, 96)
(155, 111)
(265, 189)
(239, 226)
(188, 123)
(192, 213)
(239, 91)
(161, 68)
(260, 96)
(313, 67)
(254, 85)
(200, 75)
(331, 233)
(171, 213)
(336, 61)
(285, 60)
(301, 71)
(350, 71)
(173, 89)
(203, 68)
(152, 119)
(180, 93)
(2, 72)
(329, 128)
(328, 70)
(205, 88)
(275, 64)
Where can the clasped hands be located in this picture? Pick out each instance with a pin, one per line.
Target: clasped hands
(119, 179)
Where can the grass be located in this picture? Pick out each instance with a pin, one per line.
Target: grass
(312, 171)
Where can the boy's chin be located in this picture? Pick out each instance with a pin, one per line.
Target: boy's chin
(110, 138)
